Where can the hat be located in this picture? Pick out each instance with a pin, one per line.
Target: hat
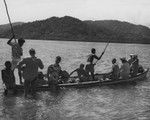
(131, 54)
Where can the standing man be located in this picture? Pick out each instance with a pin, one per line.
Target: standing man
(30, 67)
(8, 77)
(17, 52)
(90, 66)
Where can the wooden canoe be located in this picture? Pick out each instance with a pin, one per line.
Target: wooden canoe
(98, 82)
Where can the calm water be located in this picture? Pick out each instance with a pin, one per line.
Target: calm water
(121, 102)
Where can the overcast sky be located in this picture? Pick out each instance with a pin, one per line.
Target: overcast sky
(134, 11)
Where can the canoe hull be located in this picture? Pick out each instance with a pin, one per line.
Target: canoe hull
(139, 77)
(99, 82)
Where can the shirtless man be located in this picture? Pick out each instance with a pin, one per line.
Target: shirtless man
(17, 52)
(8, 77)
(114, 74)
(54, 72)
(82, 75)
(90, 66)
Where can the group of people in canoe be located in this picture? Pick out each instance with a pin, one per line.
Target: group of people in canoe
(28, 69)
(129, 68)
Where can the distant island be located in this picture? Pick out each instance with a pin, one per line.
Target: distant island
(72, 29)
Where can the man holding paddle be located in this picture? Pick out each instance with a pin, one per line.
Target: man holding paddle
(17, 52)
(16, 46)
(90, 66)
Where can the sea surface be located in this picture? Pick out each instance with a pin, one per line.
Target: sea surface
(115, 102)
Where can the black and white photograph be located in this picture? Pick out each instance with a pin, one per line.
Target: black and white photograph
(74, 60)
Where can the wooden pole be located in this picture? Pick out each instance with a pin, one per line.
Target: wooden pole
(12, 30)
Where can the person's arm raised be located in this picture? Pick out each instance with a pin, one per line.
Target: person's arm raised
(9, 41)
(40, 64)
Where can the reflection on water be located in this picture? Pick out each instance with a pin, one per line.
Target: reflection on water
(119, 102)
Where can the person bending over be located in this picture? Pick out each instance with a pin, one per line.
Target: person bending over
(82, 75)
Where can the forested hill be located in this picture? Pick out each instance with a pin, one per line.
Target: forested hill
(6, 27)
(69, 28)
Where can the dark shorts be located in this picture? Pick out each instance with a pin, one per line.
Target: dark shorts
(89, 68)
(30, 83)
(10, 86)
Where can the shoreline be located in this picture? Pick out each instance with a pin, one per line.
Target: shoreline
(83, 41)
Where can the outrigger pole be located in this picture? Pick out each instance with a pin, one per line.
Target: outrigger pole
(12, 30)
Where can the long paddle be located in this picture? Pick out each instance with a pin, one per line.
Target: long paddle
(100, 55)
(12, 30)
(103, 51)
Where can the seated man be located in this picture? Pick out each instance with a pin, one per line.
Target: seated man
(140, 69)
(134, 66)
(131, 59)
(114, 74)
(125, 69)
(82, 75)
(54, 71)
(8, 77)
(64, 76)
(40, 79)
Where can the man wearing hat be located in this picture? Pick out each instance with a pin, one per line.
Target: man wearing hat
(17, 52)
